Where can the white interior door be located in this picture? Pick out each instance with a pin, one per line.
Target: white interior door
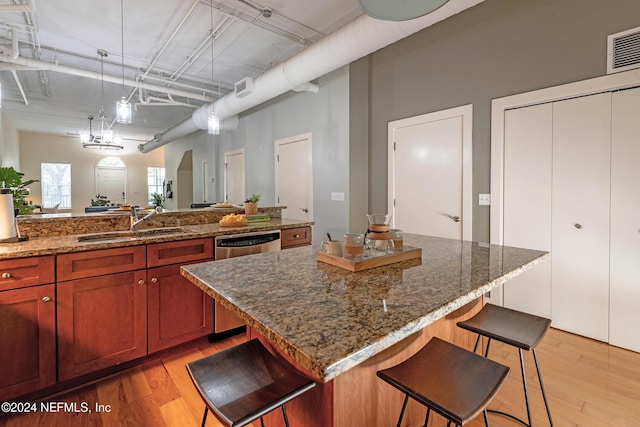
(430, 173)
(234, 173)
(112, 182)
(624, 315)
(580, 215)
(527, 202)
(294, 177)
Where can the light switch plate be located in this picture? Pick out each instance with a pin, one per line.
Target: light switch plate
(484, 199)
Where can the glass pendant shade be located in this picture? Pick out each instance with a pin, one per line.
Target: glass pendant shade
(123, 109)
(213, 124)
(399, 11)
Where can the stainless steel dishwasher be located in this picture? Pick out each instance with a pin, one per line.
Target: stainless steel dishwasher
(235, 245)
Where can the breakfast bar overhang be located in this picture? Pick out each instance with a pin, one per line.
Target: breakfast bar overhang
(340, 327)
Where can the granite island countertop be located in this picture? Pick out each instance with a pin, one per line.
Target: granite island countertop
(51, 245)
(329, 319)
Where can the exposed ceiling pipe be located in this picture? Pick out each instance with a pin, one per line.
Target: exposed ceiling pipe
(24, 96)
(14, 51)
(34, 64)
(30, 6)
(356, 39)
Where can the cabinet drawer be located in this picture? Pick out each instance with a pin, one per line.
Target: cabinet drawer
(292, 237)
(22, 272)
(104, 261)
(179, 252)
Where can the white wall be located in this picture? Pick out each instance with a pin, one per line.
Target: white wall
(9, 148)
(37, 148)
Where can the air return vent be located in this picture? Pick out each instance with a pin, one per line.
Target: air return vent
(623, 51)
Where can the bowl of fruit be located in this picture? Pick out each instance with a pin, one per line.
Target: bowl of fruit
(233, 220)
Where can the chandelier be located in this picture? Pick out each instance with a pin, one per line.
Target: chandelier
(104, 139)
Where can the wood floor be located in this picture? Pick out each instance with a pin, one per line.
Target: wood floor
(589, 384)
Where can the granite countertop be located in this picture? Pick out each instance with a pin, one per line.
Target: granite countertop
(52, 245)
(329, 319)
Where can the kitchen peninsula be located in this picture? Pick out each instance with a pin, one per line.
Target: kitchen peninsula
(341, 327)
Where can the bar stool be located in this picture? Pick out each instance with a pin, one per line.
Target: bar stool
(521, 330)
(245, 382)
(447, 379)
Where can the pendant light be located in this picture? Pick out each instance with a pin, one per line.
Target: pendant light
(123, 107)
(104, 139)
(213, 122)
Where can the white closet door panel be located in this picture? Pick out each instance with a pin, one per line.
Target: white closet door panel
(527, 203)
(580, 215)
(624, 304)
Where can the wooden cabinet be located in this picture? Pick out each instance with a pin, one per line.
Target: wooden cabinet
(22, 272)
(27, 339)
(102, 318)
(294, 237)
(177, 310)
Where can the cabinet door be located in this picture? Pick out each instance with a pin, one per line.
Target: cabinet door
(580, 218)
(624, 314)
(178, 310)
(527, 203)
(102, 321)
(27, 340)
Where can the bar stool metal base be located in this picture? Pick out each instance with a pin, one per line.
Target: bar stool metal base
(521, 330)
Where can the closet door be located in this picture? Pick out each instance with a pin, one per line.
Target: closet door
(527, 203)
(624, 304)
(580, 215)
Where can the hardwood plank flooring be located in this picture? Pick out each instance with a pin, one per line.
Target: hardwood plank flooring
(588, 383)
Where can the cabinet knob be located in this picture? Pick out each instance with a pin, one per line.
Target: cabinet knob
(6, 275)
(154, 280)
(140, 282)
(578, 226)
(46, 299)
(455, 218)
(296, 236)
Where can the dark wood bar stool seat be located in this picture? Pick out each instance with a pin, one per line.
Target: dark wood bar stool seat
(453, 382)
(245, 382)
(521, 330)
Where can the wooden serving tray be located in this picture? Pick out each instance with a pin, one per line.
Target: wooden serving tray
(408, 252)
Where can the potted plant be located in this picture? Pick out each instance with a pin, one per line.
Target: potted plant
(101, 201)
(157, 199)
(12, 179)
(251, 204)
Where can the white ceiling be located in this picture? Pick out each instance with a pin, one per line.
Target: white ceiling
(166, 44)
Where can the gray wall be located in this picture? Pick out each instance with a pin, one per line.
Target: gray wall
(495, 49)
(326, 116)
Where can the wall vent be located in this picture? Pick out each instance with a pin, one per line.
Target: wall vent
(623, 51)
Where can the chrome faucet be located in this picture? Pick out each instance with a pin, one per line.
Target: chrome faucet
(135, 222)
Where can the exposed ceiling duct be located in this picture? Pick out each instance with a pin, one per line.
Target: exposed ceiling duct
(360, 37)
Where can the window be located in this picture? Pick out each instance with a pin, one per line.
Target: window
(155, 182)
(55, 179)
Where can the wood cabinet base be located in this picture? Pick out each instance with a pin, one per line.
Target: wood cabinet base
(358, 397)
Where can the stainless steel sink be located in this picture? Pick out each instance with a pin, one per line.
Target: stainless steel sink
(113, 235)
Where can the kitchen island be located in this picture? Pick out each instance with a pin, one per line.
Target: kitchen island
(341, 327)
